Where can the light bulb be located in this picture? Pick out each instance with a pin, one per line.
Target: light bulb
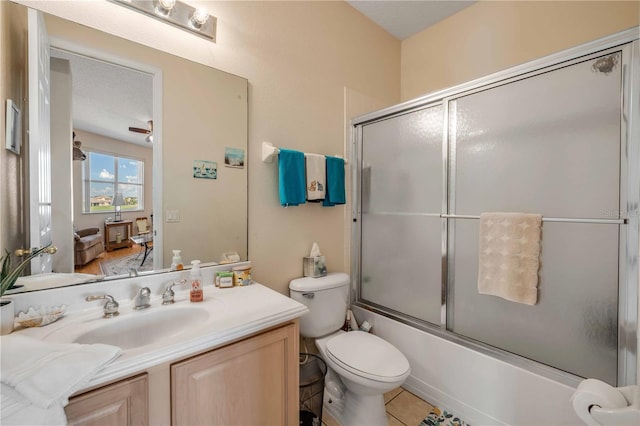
(164, 7)
(199, 17)
(167, 4)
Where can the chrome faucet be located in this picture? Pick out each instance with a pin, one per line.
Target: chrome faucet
(110, 306)
(168, 295)
(143, 298)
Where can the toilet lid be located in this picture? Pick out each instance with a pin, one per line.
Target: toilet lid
(368, 356)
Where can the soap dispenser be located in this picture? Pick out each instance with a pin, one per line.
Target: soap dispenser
(195, 278)
(176, 261)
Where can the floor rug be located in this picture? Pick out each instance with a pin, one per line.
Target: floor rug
(122, 265)
(442, 418)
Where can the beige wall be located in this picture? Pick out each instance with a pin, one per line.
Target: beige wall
(13, 84)
(298, 57)
(494, 35)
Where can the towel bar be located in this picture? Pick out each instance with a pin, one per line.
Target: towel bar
(269, 151)
(548, 219)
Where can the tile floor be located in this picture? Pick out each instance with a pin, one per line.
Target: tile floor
(403, 409)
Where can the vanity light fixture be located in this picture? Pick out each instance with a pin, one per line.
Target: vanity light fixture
(175, 12)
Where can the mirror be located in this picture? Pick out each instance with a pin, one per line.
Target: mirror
(195, 180)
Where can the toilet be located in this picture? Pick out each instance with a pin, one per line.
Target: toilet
(361, 366)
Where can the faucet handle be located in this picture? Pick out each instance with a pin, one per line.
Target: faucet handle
(110, 306)
(143, 298)
(168, 295)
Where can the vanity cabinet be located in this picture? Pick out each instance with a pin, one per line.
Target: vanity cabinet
(121, 403)
(253, 381)
(250, 382)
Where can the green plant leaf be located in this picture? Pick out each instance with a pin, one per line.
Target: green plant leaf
(9, 277)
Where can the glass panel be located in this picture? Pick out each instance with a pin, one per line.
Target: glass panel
(401, 184)
(573, 326)
(130, 171)
(100, 196)
(402, 163)
(102, 167)
(544, 144)
(132, 196)
(401, 264)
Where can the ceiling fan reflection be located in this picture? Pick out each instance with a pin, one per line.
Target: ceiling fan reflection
(148, 131)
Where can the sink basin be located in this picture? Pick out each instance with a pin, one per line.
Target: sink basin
(144, 328)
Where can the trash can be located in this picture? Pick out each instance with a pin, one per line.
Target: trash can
(312, 372)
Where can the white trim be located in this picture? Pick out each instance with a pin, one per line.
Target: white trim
(158, 170)
(631, 317)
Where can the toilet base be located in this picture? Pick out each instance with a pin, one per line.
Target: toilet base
(347, 407)
(356, 410)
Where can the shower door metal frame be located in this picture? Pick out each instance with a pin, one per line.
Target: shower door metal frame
(628, 219)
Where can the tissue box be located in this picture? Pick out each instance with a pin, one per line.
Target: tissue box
(314, 267)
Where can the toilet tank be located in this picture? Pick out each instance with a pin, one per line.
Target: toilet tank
(326, 297)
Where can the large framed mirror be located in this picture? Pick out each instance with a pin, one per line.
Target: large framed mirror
(157, 164)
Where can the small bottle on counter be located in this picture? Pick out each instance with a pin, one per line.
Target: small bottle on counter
(225, 279)
(196, 294)
(176, 261)
(241, 275)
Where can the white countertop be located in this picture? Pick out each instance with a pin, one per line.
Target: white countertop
(231, 314)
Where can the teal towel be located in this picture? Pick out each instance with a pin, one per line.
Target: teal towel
(291, 180)
(335, 182)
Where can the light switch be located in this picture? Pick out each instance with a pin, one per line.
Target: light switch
(173, 216)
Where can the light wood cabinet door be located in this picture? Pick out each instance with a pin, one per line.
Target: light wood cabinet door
(119, 404)
(251, 382)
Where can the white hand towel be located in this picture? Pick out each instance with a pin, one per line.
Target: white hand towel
(16, 410)
(509, 256)
(48, 373)
(316, 176)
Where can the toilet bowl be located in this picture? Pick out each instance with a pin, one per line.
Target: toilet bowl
(361, 366)
(368, 367)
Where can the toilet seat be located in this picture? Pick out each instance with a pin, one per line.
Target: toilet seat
(368, 356)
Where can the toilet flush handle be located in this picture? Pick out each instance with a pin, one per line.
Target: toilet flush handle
(308, 295)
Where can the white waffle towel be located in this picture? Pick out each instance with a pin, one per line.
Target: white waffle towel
(46, 374)
(509, 256)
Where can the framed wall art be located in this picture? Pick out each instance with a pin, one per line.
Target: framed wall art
(205, 169)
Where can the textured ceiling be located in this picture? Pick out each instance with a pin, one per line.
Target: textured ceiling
(404, 18)
(108, 98)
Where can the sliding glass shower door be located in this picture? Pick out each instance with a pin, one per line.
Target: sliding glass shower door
(401, 196)
(553, 140)
(547, 144)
